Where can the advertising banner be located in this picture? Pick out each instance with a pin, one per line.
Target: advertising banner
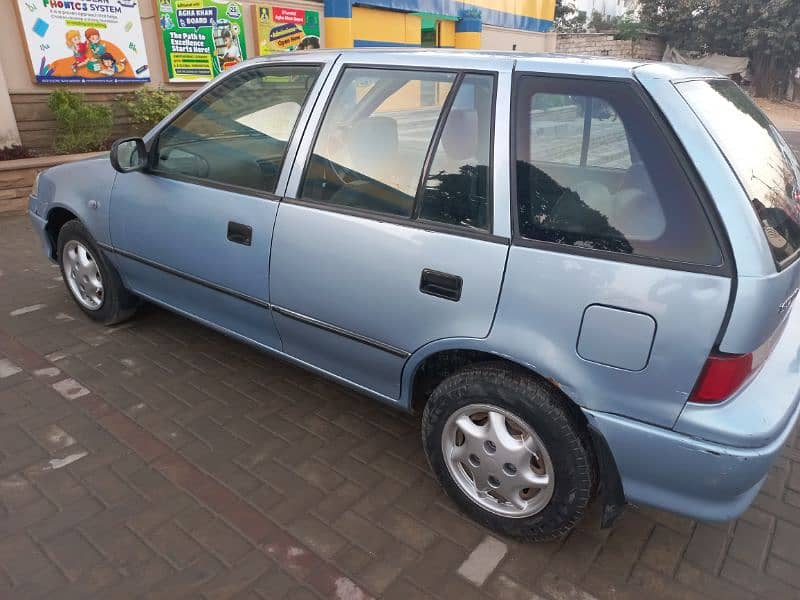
(280, 28)
(84, 41)
(201, 38)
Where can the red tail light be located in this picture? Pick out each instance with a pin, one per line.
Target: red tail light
(722, 375)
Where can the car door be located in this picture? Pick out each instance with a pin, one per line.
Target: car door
(194, 230)
(386, 239)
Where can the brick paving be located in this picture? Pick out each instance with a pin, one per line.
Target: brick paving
(161, 459)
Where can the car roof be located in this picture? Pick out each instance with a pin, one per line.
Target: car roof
(566, 64)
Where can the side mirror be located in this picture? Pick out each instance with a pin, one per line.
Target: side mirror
(128, 154)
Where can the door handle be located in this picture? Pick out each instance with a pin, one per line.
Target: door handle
(441, 285)
(240, 234)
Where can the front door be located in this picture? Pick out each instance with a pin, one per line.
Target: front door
(194, 231)
(388, 244)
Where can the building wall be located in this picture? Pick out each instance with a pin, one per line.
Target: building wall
(29, 99)
(528, 15)
(602, 44)
(374, 27)
(499, 38)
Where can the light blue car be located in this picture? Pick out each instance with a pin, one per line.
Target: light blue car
(581, 271)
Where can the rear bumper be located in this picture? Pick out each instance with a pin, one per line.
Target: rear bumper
(682, 474)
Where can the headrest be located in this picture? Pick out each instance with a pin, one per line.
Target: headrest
(460, 135)
(372, 141)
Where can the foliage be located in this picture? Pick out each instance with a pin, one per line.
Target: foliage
(568, 19)
(767, 31)
(80, 126)
(149, 106)
(602, 22)
(14, 152)
(629, 27)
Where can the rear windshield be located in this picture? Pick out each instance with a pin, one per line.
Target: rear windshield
(764, 164)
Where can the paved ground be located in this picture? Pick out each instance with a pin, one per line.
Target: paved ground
(793, 137)
(161, 459)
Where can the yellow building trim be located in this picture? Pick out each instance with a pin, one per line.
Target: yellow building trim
(338, 32)
(413, 29)
(379, 25)
(468, 39)
(447, 34)
(537, 9)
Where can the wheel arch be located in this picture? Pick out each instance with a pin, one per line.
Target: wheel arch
(57, 217)
(448, 356)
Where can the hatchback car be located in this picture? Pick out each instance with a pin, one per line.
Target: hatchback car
(581, 271)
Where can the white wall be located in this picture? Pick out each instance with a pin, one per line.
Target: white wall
(500, 38)
(612, 8)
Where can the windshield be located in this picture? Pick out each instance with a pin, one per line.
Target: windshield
(763, 163)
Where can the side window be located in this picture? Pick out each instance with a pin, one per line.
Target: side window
(456, 188)
(595, 171)
(237, 133)
(371, 146)
(577, 130)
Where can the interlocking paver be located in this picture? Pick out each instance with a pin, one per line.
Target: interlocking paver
(207, 469)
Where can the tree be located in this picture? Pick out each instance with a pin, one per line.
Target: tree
(767, 31)
(773, 43)
(568, 19)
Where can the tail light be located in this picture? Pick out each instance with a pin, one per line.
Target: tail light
(722, 375)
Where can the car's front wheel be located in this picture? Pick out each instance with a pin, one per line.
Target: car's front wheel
(508, 450)
(92, 282)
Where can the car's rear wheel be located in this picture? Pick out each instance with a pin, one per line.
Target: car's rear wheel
(509, 451)
(91, 280)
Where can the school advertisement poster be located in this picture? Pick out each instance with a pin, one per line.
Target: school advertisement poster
(84, 41)
(201, 38)
(280, 28)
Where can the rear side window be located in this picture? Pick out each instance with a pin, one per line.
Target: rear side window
(595, 172)
(767, 169)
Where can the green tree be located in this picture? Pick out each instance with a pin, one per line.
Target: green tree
(766, 31)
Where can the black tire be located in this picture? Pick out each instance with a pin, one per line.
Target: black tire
(537, 403)
(118, 303)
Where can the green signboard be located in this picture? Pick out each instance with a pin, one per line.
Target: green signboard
(201, 38)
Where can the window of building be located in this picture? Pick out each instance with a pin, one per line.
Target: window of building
(237, 133)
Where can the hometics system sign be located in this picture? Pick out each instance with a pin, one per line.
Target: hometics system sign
(84, 41)
(201, 38)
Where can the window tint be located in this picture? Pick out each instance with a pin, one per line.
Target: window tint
(560, 122)
(237, 133)
(374, 137)
(766, 168)
(594, 171)
(457, 186)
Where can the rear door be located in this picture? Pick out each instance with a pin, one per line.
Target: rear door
(388, 242)
(617, 285)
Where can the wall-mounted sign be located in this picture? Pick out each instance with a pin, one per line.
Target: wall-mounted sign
(84, 41)
(281, 28)
(201, 38)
